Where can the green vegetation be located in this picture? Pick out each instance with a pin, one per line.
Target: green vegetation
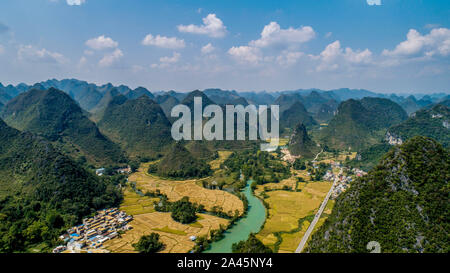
(149, 243)
(55, 116)
(261, 166)
(43, 192)
(200, 150)
(402, 204)
(368, 158)
(427, 122)
(139, 125)
(360, 124)
(182, 210)
(252, 245)
(301, 144)
(294, 115)
(179, 163)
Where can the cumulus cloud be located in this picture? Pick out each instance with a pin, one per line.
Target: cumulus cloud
(333, 56)
(437, 42)
(287, 58)
(167, 60)
(273, 34)
(110, 58)
(164, 42)
(246, 54)
(101, 42)
(374, 2)
(212, 27)
(207, 49)
(75, 2)
(175, 57)
(31, 54)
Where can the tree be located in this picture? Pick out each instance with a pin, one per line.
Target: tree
(251, 245)
(149, 244)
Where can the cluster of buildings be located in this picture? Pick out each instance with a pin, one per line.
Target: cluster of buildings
(342, 182)
(94, 231)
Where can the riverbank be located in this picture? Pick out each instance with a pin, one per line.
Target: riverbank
(250, 223)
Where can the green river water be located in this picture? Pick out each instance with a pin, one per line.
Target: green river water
(252, 222)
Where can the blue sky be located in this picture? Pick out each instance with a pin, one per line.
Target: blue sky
(381, 45)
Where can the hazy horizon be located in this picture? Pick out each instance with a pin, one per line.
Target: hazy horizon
(400, 47)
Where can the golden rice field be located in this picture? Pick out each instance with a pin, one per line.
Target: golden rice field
(286, 208)
(174, 235)
(289, 182)
(175, 190)
(135, 204)
(223, 155)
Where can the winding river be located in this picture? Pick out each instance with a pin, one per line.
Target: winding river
(252, 222)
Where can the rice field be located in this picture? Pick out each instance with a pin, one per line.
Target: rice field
(174, 235)
(285, 210)
(175, 190)
(223, 155)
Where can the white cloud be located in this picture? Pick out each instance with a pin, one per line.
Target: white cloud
(288, 58)
(334, 56)
(374, 2)
(167, 60)
(207, 49)
(75, 2)
(31, 54)
(212, 26)
(164, 42)
(82, 62)
(2, 50)
(110, 58)
(101, 42)
(273, 34)
(436, 42)
(175, 57)
(246, 54)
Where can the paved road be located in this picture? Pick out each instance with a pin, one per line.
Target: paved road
(317, 217)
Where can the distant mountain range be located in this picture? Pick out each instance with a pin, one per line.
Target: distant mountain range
(320, 103)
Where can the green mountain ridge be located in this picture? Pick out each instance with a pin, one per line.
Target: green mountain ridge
(432, 123)
(180, 163)
(301, 144)
(139, 125)
(54, 115)
(42, 191)
(402, 204)
(359, 124)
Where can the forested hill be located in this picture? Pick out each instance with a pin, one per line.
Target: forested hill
(180, 163)
(361, 123)
(301, 144)
(402, 204)
(42, 191)
(140, 125)
(56, 116)
(434, 123)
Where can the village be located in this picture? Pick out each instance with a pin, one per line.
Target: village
(94, 231)
(342, 182)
